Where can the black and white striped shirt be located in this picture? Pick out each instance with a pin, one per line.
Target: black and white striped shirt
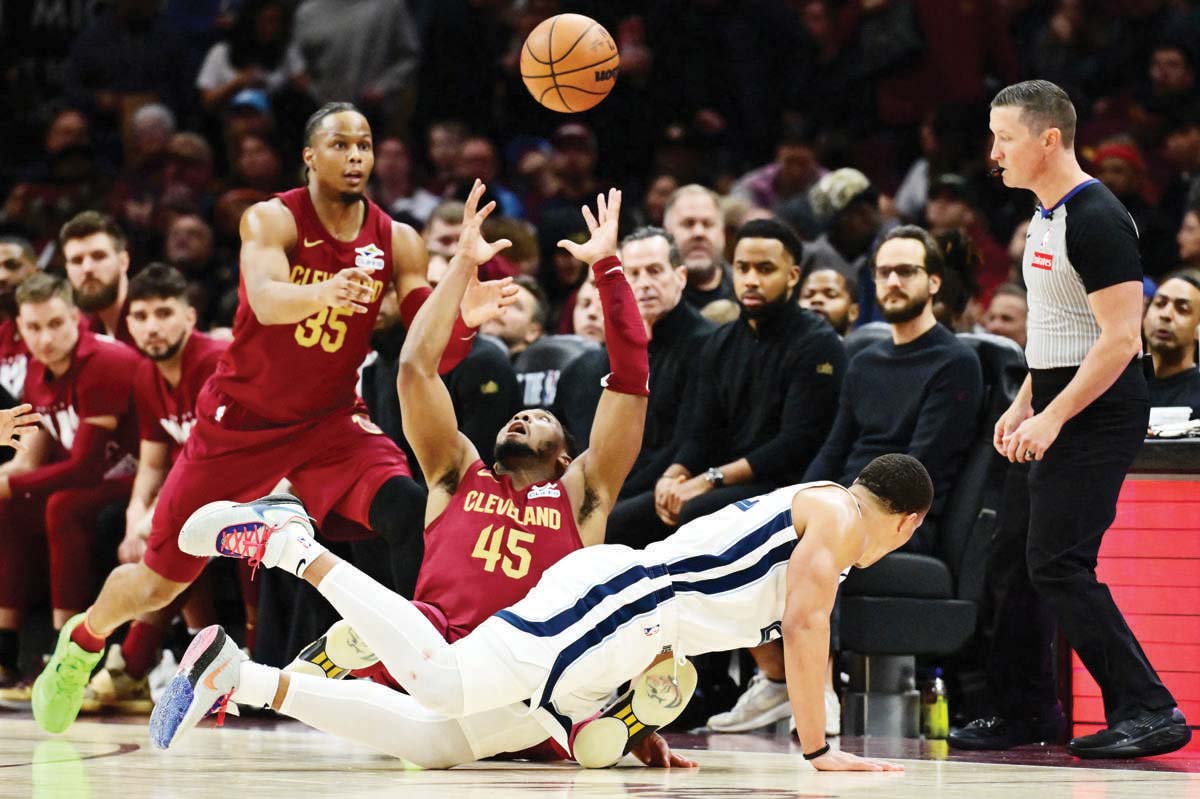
(1086, 242)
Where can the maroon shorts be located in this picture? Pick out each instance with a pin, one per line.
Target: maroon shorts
(336, 464)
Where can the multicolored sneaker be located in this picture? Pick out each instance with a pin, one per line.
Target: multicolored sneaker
(58, 690)
(207, 677)
(654, 701)
(244, 529)
(335, 654)
(113, 689)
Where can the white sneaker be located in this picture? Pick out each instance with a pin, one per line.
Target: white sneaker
(763, 703)
(207, 677)
(335, 654)
(113, 688)
(833, 715)
(160, 676)
(246, 530)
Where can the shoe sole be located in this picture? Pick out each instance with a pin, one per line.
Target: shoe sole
(656, 699)
(1156, 743)
(194, 690)
(333, 655)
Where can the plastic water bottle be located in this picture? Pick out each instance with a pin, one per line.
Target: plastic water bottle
(935, 713)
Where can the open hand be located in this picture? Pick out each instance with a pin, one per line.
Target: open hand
(654, 752)
(602, 226)
(836, 760)
(16, 423)
(471, 245)
(484, 301)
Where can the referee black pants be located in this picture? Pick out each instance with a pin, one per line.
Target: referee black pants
(1043, 564)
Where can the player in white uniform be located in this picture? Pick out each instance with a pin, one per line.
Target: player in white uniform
(757, 569)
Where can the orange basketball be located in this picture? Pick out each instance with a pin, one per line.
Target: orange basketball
(569, 63)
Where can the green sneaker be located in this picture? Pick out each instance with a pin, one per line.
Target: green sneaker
(58, 690)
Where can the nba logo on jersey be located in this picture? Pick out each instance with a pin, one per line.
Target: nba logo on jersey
(368, 257)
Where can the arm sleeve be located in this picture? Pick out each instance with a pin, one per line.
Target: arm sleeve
(84, 466)
(1102, 243)
(484, 389)
(624, 332)
(830, 461)
(461, 336)
(809, 408)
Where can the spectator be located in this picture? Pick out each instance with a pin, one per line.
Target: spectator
(523, 322)
(256, 165)
(248, 113)
(255, 55)
(1119, 166)
(654, 202)
(189, 182)
(190, 248)
(1170, 83)
(1170, 328)
(17, 262)
(845, 205)
(587, 316)
(477, 159)
(831, 294)
(441, 234)
(956, 304)
(394, 185)
(1007, 314)
(443, 143)
(1188, 238)
(78, 463)
(1181, 149)
(952, 206)
(365, 52)
(793, 172)
(574, 165)
(137, 197)
(94, 247)
(693, 218)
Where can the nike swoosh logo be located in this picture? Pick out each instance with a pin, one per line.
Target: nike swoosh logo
(210, 680)
(300, 566)
(308, 243)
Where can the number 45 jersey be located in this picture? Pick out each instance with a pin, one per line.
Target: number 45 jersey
(490, 546)
(292, 373)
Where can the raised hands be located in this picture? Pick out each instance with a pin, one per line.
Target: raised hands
(602, 226)
(471, 245)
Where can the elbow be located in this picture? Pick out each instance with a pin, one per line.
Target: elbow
(411, 369)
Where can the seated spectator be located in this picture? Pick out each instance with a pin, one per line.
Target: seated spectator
(693, 218)
(248, 113)
(956, 304)
(587, 317)
(256, 54)
(17, 262)
(1170, 327)
(1188, 238)
(831, 294)
(952, 207)
(477, 159)
(1181, 150)
(1120, 167)
(919, 393)
(189, 182)
(441, 239)
(538, 359)
(846, 206)
(190, 249)
(393, 183)
(654, 202)
(523, 322)
(443, 145)
(793, 172)
(1007, 314)
(574, 163)
(79, 462)
(136, 200)
(97, 256)
(256, 165)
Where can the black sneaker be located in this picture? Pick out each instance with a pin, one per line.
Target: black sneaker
(1154, 732)
(995, 732)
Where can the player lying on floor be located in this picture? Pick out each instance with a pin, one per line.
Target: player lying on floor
(757, 569)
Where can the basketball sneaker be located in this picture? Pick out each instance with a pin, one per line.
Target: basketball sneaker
(247, 530)
(833, 716)
(653, 701)
(764, 702)
(58, 691)
(335, 654)
(112, 688)
(207, 677)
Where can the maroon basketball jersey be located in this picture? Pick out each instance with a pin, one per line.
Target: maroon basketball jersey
(99, 382)
(14, 359)
(491, 545)
(166, 414)
(93, 323)
(293, 373)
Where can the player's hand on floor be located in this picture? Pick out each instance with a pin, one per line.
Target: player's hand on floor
(654, 751)
(16, 423)
(835, 760)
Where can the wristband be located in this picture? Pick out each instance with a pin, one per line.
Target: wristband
(814, 755)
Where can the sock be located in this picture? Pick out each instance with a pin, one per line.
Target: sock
(87, 640)
(292, 548)
(257, 684)
(9, 648)
(140, 648)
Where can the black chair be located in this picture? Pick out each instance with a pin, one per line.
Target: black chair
(909, 604)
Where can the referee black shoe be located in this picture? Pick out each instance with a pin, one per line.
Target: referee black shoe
(994, 732)
(1154, 732)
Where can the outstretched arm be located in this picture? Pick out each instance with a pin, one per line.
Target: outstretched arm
(595, 478)
(427, 411)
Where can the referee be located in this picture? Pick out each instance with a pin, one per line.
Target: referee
(1078, 421)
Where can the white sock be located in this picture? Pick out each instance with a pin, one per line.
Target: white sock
(292, 548)
(257, 684)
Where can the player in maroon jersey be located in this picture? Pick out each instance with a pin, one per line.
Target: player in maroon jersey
(315, 264)
(492, 530)
(179, 359)
(17, 262)
(81, 460)
(97, 256)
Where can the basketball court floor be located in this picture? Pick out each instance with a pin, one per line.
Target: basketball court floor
(112, 757)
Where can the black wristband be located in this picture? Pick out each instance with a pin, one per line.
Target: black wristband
(816, 754)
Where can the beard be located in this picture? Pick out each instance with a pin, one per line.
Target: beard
(508, 450)
(905, 313)
(94, 299)
(767, 310)
(167, 354)
(349, 198)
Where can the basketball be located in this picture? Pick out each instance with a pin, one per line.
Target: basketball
(569, 63)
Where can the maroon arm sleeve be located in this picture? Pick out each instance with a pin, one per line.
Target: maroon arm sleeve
(83, 467)
(624, 332)
(461, 336)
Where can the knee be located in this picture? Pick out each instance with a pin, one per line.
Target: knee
(1051, 574)
(398, 509)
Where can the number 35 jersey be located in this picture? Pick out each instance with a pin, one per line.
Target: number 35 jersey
(293, 373)
(491, 545)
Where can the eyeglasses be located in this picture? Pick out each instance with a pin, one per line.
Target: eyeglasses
(902, 271)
